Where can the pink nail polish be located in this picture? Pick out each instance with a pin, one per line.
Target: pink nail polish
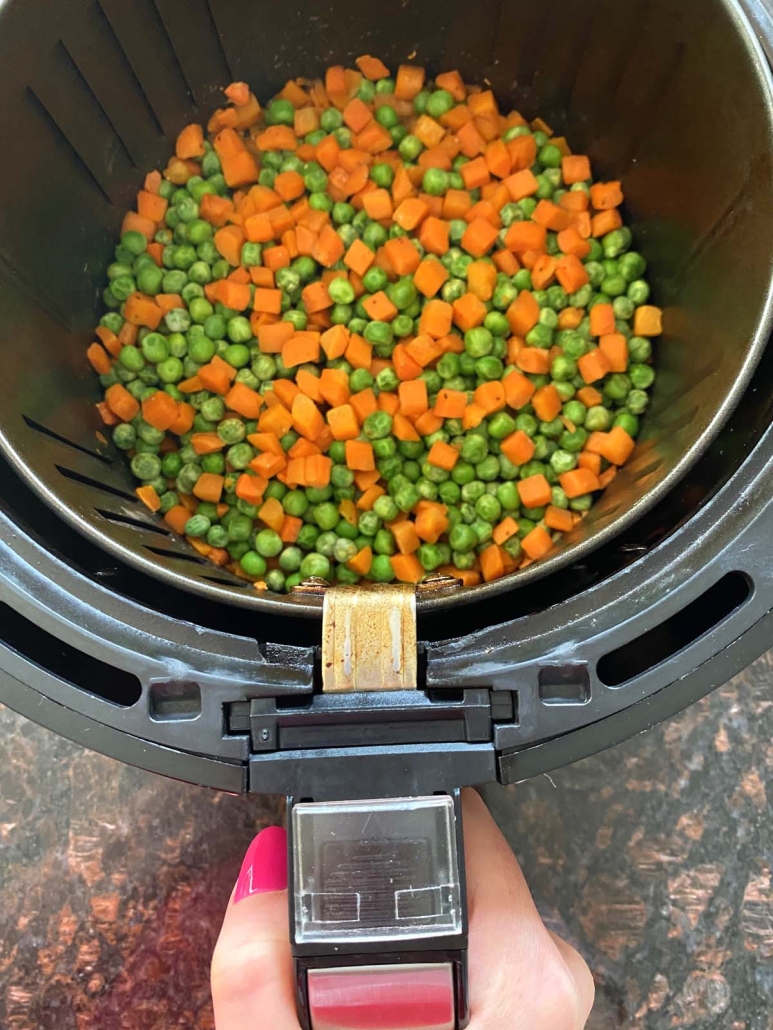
(264, 867)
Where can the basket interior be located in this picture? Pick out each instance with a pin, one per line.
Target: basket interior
(672, 99)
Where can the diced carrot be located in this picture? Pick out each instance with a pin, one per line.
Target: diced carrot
(492, 564)
(343, 422)
(523, 313)
(521, 184)
(190, 142)
(357, 114)
(578, 481)
(589, 396)
(450, 403)
(359, 456)
(479, 237)
(244, 400)
(434, 235)
(605, 222)
(614, 347)
(141, 310)
(518, 447)
(276, 419)
(533, 360)
(121, 402)
(648, 321)
(404, 365)
(575, 168)
(402, 428)
(409, 81)
(268, 465)
(429, 276)
(443, 455)
(407, 568)
(606, 195)
(159, 410)
(99, 359)
(424, 349)
(409, 213)
(534, 491)
(490, 396)
(209, 487)
(329, 247)
(177, 517)
(571, 273)
(593, 366)
(277, 137)
(504, 530)
(437, 317)
(359, 353)
(151, 205)
(379, 307)
(617, 446)
(402, 255)
(537, 543)
(544, 272)
(372, 68)
(571, 242)
(272, 513)
(147, 494)
(547, 403)
(526, 236)
(602, 320)
(468, 312)
(470, 139)
(589, 461)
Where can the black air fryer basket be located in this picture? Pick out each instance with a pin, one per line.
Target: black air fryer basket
(116, 634)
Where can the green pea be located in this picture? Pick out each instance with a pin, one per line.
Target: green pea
(550, 156)
(439, 103)
(124, 436)
(638, 292)
(410, 148)
(617, 386)
(240, 454)
(330, 119)
(131, 358)
(170, 370)
(149, 279)
(315, 565)
(146, 466)
(435, 182)
(478, 342)
(430, 557)
(239, 330)
(637, 402)
(341, 291)
(231, 430)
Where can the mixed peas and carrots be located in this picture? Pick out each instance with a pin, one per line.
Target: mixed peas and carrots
(375, 330)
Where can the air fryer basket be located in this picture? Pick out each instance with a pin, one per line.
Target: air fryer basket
(673, 99)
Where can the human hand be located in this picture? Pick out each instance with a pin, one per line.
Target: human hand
(521, 975)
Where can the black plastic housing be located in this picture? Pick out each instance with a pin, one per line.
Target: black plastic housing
(115, 634)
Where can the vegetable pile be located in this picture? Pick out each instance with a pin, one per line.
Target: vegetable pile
(374, 331)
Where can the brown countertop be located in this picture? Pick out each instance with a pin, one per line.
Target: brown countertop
(654, 859)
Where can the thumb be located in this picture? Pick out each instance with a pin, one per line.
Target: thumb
(252, 981)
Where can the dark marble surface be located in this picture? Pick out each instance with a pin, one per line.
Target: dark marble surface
(654, 859)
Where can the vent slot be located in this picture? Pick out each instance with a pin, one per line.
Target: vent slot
(564, 685)
(162, 552)
(82, 671)
(63, 439)
(174, 701)
(127, 520)
(662, 642)
(78, 477)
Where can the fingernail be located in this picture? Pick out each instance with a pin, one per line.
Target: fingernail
(264, 867)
